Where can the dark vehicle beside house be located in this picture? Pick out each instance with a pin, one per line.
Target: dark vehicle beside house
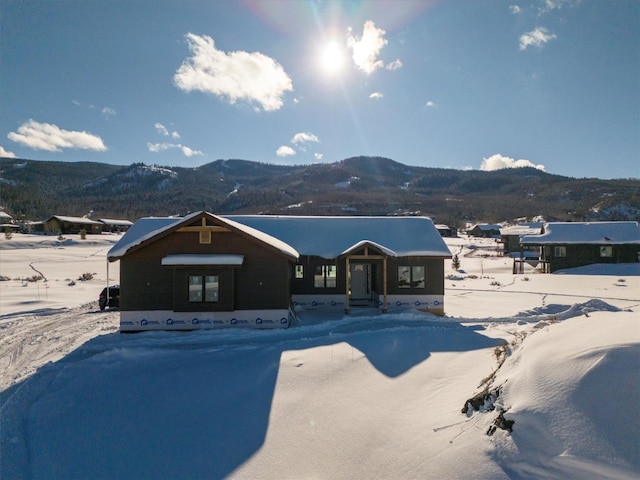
(112, 300)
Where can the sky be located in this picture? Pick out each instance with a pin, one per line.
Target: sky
(465, 84)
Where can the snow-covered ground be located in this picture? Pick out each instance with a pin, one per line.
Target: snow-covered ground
(361, 396)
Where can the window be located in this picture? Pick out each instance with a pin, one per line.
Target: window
(204, 288)
(606, 251)
(411, 276)
(559, 251)
(325, 276)
(299, 271)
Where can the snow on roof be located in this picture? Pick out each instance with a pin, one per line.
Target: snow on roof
(329, 237)
(382, 248)
(522, 229)
(5, 215)
(486, 226)
(142, 229)
(110, 221)
(83, 220)
(202, 259)
(602, 233)
(147, 228)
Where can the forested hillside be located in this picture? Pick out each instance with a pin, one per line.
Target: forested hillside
(35, 190)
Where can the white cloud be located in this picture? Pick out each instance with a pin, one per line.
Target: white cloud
(430, 104)
(161, 147)
(365, 50)
(285, 151)
(188, 152)
(536, 38)
(49, 137)
(108, 111)
(549, 5)
(318, 156)
(498, 162)
(303, 137)
(515, 9)
(161, 129)
(249, 77)
(6, 153)
(376, 95)
(395, 65)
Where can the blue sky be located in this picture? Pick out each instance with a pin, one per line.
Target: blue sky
(464, 84)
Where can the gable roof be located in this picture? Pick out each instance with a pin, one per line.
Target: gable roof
(76, 220)
(148, 229)
(327, 237)
(486, 227)
(330, 237)
(599, 233)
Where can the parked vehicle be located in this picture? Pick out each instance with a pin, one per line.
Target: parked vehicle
(113, 300)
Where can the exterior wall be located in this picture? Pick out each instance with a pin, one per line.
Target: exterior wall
(434, 282)
(395, 303)
(136, 321)
(430, 297)
(580, 255)
(262, 282)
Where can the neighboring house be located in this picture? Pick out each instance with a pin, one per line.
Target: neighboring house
(6, 223)
(510, 236)
(574, 244)
(206, 271)
(115, 226)
(58, 224)
(484, 230)
(447, 231)
(5, 218)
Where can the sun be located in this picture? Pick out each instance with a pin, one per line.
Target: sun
(332, 58)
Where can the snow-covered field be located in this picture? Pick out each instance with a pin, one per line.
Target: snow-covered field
(364, 396)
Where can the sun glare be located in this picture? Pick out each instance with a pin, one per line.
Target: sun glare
(332, 59)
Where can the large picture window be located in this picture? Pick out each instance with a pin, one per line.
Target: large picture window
(325, 276)
(204, 288)
(411, 276)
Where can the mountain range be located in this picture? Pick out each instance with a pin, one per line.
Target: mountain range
(35, 190)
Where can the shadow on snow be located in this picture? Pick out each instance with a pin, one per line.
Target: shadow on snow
(177, 405)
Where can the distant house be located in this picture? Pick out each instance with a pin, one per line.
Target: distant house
(115, 226)
(574, 244)
(510, 236)
(67, 225)
(447, 231)
(5, 218)
(484, 230)
(207, 271)
(7, 223)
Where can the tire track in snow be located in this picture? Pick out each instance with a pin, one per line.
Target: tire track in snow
(28, 341)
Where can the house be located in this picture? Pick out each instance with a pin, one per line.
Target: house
(447, 231)
(574, 244)
(7, 224)
(510, 236)
(208, 271)
(484, 230)
(59, 224)
(5, 218)
(115, 226)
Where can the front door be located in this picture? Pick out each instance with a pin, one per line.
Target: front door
(360, 282)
